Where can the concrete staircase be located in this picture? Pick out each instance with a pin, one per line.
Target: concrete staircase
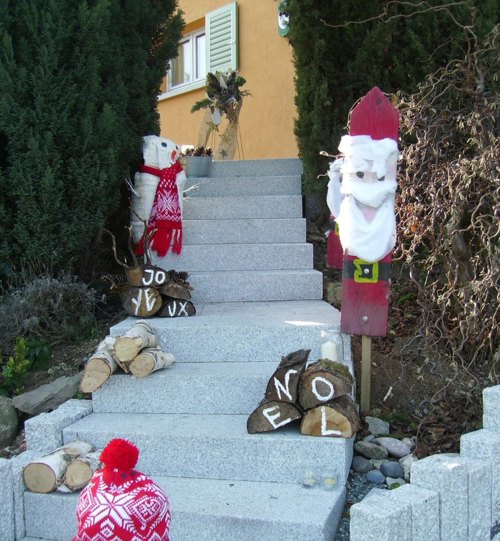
(257, 299)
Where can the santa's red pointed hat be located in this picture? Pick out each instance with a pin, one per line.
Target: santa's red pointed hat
(120, 502)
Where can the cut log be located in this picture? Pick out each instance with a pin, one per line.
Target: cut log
(46, 474)
(141, 301)
(146, 276)
(269, 416)
(177, 308)
(99, 367)
(80, 472)
(283, 384)
(323, 381)
(176, 291)
(128, 346)
(150, 360)
(338, 418)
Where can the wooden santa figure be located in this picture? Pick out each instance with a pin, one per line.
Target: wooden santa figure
(361, 195)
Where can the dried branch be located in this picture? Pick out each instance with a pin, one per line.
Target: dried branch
(449, 208)
(419, 8)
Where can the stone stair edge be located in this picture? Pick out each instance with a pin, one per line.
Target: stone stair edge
(224, 506)
(245, 257)
(195, 445)
(266, 167)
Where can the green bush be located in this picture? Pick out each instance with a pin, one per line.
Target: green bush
(14, 369)
(79, 82)
(46, 311)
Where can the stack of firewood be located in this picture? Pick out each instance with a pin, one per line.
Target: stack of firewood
(66, 469)
(148, 290)
(318, 394)
(136, 352)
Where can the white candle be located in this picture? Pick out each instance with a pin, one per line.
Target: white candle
(329, 351)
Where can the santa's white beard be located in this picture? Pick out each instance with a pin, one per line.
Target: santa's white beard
(368, 233)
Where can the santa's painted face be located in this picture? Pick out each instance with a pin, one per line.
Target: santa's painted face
(361, 196)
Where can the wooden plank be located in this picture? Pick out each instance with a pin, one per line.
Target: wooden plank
(365, 296)
(334, 252)
(366, 373)
(374, 115)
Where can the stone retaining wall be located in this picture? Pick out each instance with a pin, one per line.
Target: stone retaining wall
(43, 434)
(451, 497)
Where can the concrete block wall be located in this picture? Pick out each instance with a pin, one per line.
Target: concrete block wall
(43, 434)
(451, 497)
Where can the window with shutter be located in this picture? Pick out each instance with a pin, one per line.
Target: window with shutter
(213, 48)
(222, 38)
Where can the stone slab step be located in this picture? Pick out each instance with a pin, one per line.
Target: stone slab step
(246, 257)
(245, 231)
(214, 446)
(246, 331)
(245, 168)
(231, 207)
(208, 510)
(249, 286)
(225, 388)
(242, 186)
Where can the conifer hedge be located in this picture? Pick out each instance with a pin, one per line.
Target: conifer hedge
(79, 81)
(344, 48)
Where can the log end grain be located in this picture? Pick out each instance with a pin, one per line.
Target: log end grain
(97, 372)
(39, 477)
(142, 365)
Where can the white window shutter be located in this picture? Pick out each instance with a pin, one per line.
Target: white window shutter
(221, 33)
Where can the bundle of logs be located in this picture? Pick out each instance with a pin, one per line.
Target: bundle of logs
(147, 290)
(66, 469)
(136, 352)
(318, 394)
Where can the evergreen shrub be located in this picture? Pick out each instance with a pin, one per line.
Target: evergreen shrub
(79, 82)
(342, 49)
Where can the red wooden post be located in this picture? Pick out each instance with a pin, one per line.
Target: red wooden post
(334, 256)
(366, 285)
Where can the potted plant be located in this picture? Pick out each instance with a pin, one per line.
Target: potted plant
(196, 161)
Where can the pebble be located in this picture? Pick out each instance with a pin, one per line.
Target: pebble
(360, 464)
(377, 463)
(369, 438)
(392, 469)
(406, 463)
(393, 446)
(376, 477)
(376, 426)
(393, 482)
(410, 442)
(370, 450)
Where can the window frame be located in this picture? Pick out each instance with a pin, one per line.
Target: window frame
(196, 83)
(226, 16)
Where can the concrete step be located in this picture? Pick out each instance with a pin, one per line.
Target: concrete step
(246, 231)
(246, 331)
(243, 186)
(215, 446)
(246, 257)
(252, 206)
(246, 168)
(250, 286)
(212, 510)
(225, 388)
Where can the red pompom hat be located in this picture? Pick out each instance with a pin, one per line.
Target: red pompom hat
(120, 503)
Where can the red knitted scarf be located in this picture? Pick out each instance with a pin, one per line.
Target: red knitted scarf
(165, 219)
